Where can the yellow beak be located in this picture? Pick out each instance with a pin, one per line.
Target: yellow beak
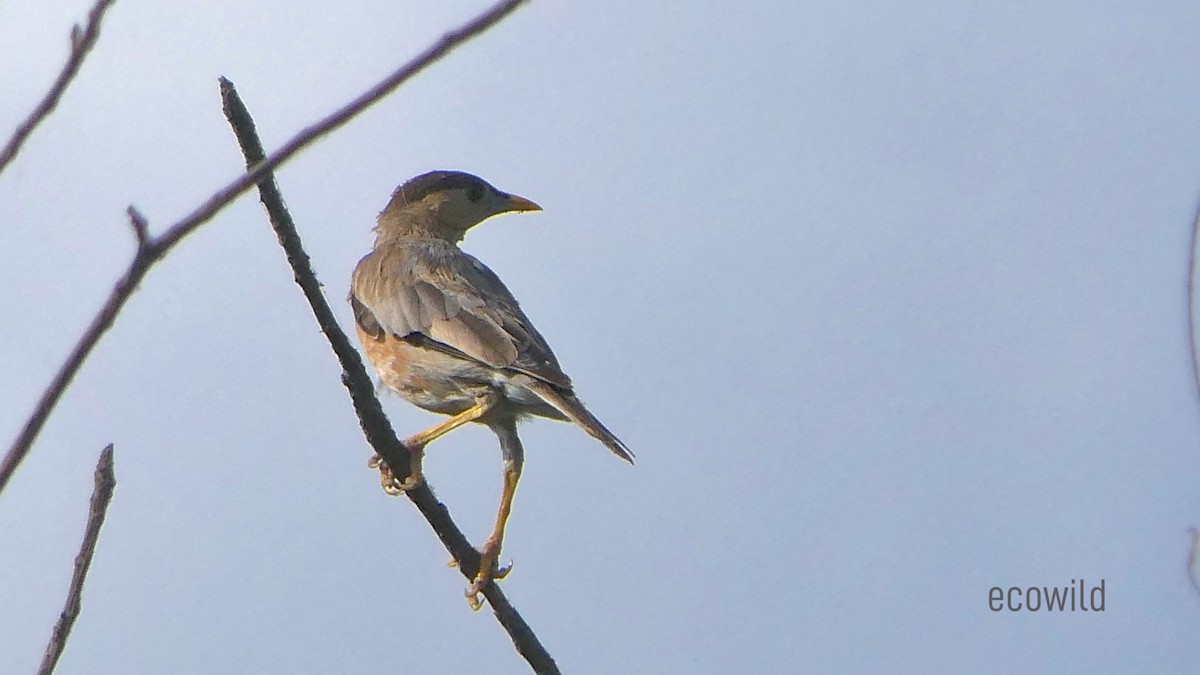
(516, 203)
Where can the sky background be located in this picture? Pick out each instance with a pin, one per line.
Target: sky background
(888, 299)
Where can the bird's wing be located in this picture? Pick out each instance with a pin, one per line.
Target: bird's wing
(435, 296)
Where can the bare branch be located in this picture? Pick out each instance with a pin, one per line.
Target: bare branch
(141, 229)
(101, 496)
(1193, 273)
(375, 425)
(1193, 561)
(157, 247)
(443, 46)
(100, 324)
(82, 41)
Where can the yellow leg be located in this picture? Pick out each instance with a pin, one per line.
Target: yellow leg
(491, 550)
(416, 447)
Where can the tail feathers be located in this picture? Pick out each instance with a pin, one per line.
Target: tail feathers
(570, 406)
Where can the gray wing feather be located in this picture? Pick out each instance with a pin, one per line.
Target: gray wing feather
(536, 356)
(433, 303)
(411, 315)
(436, 290)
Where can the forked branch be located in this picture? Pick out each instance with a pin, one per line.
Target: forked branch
(152, 249)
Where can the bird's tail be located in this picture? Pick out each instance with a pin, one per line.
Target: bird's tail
(573, 408)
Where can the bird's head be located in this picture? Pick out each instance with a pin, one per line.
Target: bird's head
(445, 204)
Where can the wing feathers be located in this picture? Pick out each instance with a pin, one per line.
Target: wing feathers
(477, 337)
(434, 289)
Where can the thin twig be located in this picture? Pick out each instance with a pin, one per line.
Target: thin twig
(1193, 561)
(101, 496)
(155, 248)
(375, 425)
(141, 263)
(141, 229)
(1193, 272)
(82, 41)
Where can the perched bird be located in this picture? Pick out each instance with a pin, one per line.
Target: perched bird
(444, 333)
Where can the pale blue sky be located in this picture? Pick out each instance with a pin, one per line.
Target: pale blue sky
(888, 298)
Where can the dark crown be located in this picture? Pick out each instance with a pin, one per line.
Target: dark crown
(416, 189)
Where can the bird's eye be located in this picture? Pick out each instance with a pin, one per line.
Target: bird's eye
(475, 193)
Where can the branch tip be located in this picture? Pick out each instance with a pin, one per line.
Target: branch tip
(104, 467)
(82, 41)
(141, 228)
(102, 494)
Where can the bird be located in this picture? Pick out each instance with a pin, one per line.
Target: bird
(444, 332)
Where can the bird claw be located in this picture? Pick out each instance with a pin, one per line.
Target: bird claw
(473, 592)
(488, 572)
(502, 571)
(387, 478)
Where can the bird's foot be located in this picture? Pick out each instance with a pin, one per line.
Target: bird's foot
(488, 572)
(388, 480)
